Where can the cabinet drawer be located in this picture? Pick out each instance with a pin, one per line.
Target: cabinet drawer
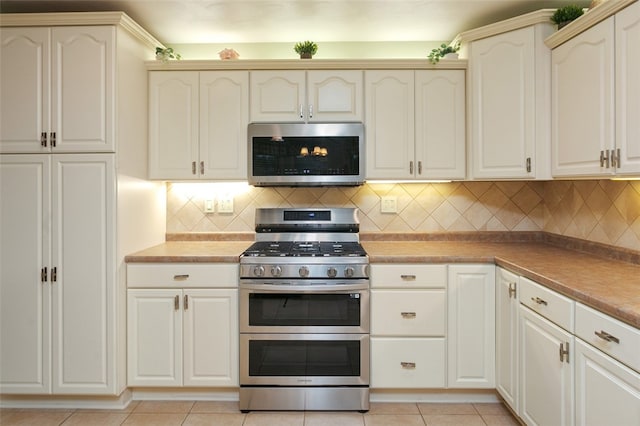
(407, 363)
(408, 312)
(408, 276)
(551, 305)
(182, 275)
(611, 336)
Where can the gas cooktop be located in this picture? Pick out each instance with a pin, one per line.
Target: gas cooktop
(304, 249)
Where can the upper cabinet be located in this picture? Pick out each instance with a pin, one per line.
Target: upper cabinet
(301, 96)
(509, 85)
(596, 99)
(415, 124)
(57, 89)
(198, 124)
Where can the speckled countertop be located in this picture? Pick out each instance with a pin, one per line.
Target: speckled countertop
(610, 286)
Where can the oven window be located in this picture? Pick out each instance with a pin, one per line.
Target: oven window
(304, 358)
(306, 156)
(304, 309)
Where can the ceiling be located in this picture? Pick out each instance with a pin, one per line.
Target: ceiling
(252, 21)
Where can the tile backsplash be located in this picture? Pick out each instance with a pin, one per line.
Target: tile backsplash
(597, 210)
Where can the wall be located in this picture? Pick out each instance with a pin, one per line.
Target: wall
(603, 211)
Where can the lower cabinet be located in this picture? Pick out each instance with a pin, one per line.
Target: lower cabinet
(507, 336)
(185, 336)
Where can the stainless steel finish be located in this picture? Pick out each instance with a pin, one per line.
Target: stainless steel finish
(512, 290)
(285, 130)
(181, 277)
(604, 159)
(408, 365)
(615, 157)
(362, 380)
(359, 290)
(606, 336)
(314, 267)
(408, 315)
(311, 398)
(539, 301)
(274, 217)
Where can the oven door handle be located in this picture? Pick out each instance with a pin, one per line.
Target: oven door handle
(302, 288)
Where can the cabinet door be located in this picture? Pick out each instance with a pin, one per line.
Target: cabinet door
(507, 336)
(24, 88)
(607, 392)
(503, 90)
(25, 304)
(83, 273)
(154, 338)
(390, 124)
(173, 124)
(224, 115)
(335, 96)
(83, 89)
(440, 124)
(277, 96)
(582, 104)
(471, 326)
(546, 380)
(210, 337)
(628, 89)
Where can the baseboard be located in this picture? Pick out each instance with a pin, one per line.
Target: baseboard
(435, 395)
(68, 401)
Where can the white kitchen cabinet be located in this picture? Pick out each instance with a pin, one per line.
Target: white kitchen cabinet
(415, 124)
(510, 80)
(198, 124)
(471, 326)
(627, 33)
(58, 87)
(179, 336)
(408, 322)
(57, 272)
(183, 337)
(507, 336)
(300, 96)
(582, 107)
(546, 371)
(607, 392)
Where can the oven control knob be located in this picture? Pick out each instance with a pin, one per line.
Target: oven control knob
(258, 271)
(276, 271)
(348, 272)
(332, 272)
(303, 271)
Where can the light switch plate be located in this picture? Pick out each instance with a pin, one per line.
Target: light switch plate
(389, 204)
(208, 206)
(225, 204)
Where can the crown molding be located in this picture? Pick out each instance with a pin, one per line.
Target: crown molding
(541, 16)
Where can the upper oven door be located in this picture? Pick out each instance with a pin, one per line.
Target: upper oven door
(313, 154)
(304, 308)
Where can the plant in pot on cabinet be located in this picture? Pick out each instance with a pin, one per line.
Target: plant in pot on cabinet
(566, 14)
(166, 54)
(306, 49)
(444, 51)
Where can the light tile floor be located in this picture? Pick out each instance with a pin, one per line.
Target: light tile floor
(201, 413)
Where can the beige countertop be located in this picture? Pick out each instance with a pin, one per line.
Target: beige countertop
(610, 286)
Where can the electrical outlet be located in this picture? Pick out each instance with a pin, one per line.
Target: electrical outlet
(208, 206)
(225, 204)
(389, 204)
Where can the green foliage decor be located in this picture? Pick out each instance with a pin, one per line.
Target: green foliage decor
(440, 52)
(167, 53)
(566, 14)
(306, 49)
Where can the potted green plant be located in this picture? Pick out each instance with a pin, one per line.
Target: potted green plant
(442, 51)
(306, 49)
(164, 54)
(563, 15)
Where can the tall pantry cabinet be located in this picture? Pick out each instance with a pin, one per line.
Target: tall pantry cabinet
(73, 198)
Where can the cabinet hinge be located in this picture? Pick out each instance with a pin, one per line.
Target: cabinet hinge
(564, 353)
(43, 274)
(528, 164)
(43, 139)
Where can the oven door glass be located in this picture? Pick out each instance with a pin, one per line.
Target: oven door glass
(304, 360)
(304, 309)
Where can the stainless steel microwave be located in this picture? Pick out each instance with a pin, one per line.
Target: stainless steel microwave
(306, 154)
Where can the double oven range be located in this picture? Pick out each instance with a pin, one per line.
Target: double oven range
(304, 312)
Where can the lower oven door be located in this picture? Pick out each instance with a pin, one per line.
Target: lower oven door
(304, 359)
(312, 307)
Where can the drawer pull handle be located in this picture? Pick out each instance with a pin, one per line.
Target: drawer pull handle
(176, 303)
(606, 336)
(408, 365)
(408, 315)
(539, 301)
(512, 290)
(181, 277)
(408, 277)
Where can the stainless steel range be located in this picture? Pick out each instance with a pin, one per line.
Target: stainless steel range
(304, 312)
